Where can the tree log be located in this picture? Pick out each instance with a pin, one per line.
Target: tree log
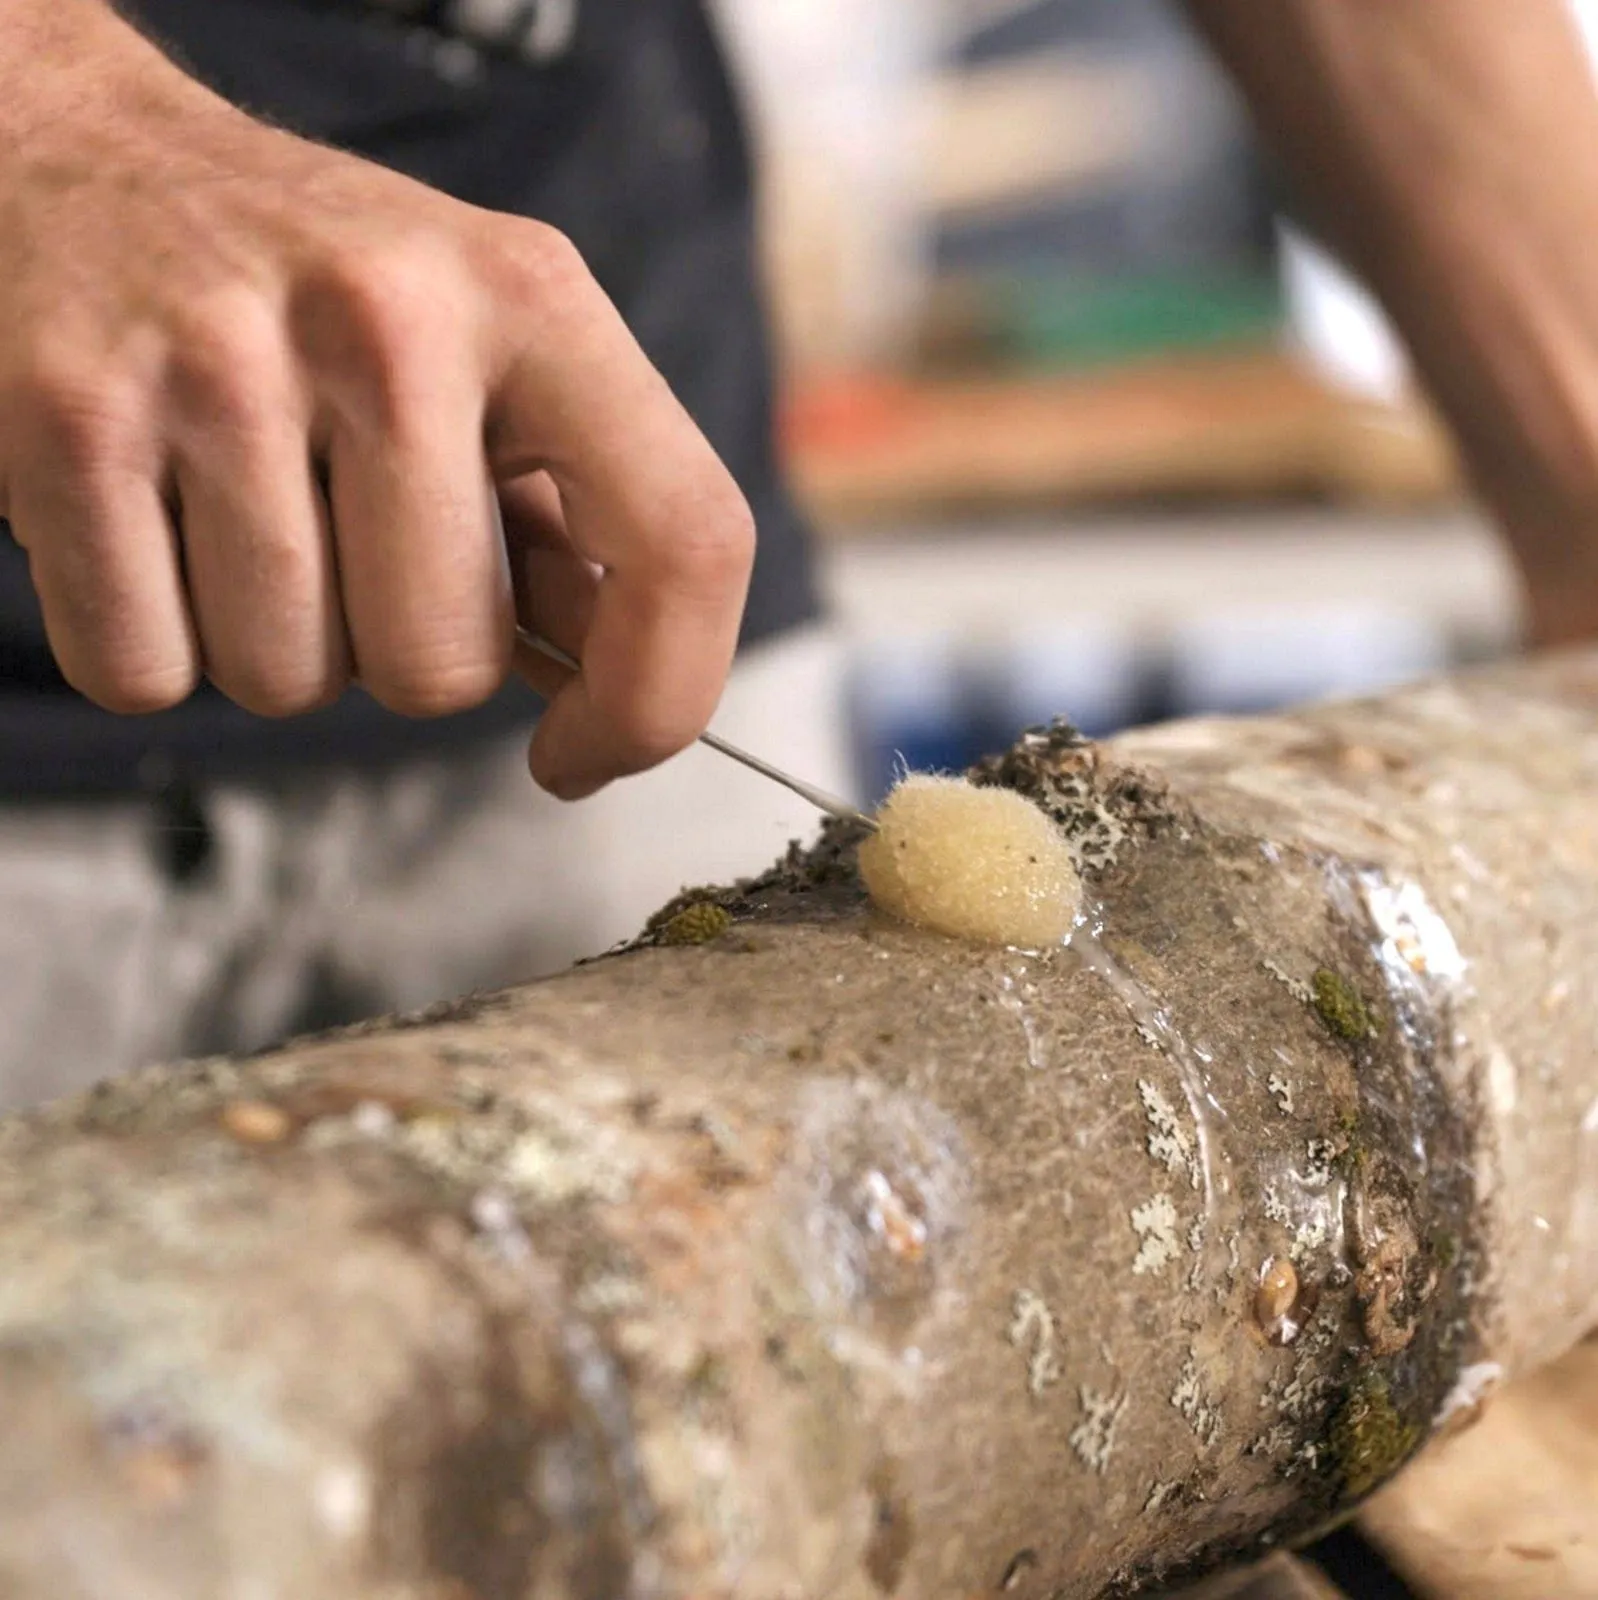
(828, 1258)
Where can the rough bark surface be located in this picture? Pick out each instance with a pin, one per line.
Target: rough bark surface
(825, 1258)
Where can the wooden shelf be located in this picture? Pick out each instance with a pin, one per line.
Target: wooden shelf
(1248, 426)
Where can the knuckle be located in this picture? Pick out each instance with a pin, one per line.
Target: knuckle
(85, 417)
(229, 365)
(714, 550)
(538, 263)
(389, 294)
(386, 313)
(287, 562)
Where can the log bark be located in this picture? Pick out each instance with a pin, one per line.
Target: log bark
(826, 1258)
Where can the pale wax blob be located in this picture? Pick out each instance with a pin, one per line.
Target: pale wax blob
(979, 864)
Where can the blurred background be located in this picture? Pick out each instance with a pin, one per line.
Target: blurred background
(1087, 424)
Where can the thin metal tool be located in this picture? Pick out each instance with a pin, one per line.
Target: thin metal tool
(819, 798)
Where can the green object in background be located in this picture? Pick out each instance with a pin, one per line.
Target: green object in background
(1081, 322)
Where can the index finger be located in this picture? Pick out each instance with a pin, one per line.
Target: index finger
(645, 498)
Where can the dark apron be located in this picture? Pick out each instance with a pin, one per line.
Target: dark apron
(612, 120)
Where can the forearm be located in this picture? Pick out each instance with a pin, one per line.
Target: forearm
(1449, 148)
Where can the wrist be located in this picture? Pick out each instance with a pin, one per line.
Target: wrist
(69, 68)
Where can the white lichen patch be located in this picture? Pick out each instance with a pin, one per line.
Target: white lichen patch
(535, 1150)
(1032, 1330)
(1233, 1266)
(610, 1294)
(1314, 1220)
(1296, 987)
(554, 1169)
(1319, 1156)
(1311, 1236)
(1282, 1092)
(500, 1226)
(1301, 1396)
(1155, 1223)
(1159, 1493)
(1168, 1141)
(1313, 1225)
(1095, 833)
(371, 1119)
(1190, 1399)
(1195, 1243)
(1276, 1439)
(1093, 1438)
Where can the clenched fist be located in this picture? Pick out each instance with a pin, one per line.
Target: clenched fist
(277, 416)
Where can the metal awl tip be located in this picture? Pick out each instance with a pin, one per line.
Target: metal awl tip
(819, 798)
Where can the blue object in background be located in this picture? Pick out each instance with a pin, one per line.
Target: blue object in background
(916, 703)
(1098, 677)
(932, 703)
(1248, 660)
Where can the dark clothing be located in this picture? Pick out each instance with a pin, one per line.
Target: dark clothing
(611, 119)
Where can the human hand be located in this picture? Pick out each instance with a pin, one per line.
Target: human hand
(278, 416)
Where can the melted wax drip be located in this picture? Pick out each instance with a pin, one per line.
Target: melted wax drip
(1086, 944)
